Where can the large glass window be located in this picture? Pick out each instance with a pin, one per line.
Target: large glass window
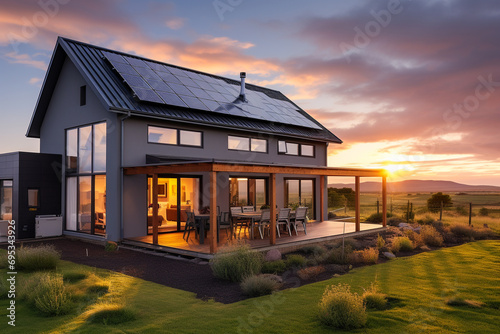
(86, 179)
(100, 148)
(247, 191)
(259, 145)
(6, 200)
(169, 136)
(300, 193)
(85, 150)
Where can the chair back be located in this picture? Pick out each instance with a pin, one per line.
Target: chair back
(284, 213)
(248, 209)
(301, 213)
(235, 210)
(265, 215)
(190, 217)
(224, 218)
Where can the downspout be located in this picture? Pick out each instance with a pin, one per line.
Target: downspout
(121, 172)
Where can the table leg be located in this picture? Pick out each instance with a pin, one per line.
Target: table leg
(202, 231)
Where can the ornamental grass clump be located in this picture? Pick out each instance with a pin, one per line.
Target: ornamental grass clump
(431, 236)
(259, 285)
(295, 261)
(374, 299)
(366, 256)
(310, 273)
(340, 308)
(44, 257)
(273, 267)
(234, 263)
(401, 244)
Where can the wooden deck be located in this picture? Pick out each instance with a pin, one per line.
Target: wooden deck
(316, 232)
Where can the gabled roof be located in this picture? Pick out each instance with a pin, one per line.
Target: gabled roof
(98, 67)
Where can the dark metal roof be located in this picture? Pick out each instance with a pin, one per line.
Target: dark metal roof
(117, 97)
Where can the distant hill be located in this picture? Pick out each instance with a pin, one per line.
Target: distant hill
(417, 186)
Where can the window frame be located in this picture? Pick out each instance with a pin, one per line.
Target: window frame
(250, 139)
(299, 149)
(177, 136)
(38, 197)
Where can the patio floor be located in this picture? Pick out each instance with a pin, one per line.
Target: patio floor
(316, 232)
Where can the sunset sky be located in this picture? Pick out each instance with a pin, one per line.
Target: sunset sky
(411, 86)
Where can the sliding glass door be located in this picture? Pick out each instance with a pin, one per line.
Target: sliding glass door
(176, 196)
(247, 191)
(300, 192)
(6, 199)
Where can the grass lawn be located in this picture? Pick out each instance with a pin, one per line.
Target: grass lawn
(418, 287)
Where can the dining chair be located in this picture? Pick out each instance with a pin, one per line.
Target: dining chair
(190, 225)
(283, 219)
(300, 218)
(237, 221)
(248, 208)
(264, 221)
(224, 223)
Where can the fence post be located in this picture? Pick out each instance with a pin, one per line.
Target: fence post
(378, 208)
(470, 213)
(441, 212)
(408, 212)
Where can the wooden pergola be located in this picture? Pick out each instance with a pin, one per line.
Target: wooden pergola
(213, 168)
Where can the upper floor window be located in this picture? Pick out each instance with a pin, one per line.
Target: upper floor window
(86, 149)
(171, 136)
(289, 148)
(246, 144)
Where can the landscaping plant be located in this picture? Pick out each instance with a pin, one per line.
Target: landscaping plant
(234, 263)
(340, 308)
(259, 285)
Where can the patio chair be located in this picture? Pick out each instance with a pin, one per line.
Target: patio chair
(248, 208)
(264, 221)
(190, 225)
(241, 222)
(283, 219)
(300, 218)
(224, 223)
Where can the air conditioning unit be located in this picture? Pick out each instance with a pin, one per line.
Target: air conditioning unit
(48, 226)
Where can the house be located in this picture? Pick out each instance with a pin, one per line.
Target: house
(30, 185)
(144, 142)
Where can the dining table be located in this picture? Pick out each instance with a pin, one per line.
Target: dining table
(251, 215)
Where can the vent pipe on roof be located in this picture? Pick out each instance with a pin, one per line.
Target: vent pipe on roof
(243, 75)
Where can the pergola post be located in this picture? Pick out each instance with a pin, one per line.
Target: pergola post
(213, 212)
(155, 209)
(384, 201)
(272, 205)
(357, 204)
(321, 198)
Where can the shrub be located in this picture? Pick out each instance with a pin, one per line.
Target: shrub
(483, 212)
(295, 260)
(462, 231)
(484, 233)
(331, 215)
(462, 211)
(73, 277)
(273, 267)
(434, 202)
(368, 256)
(402, 244)
(427, 220)
(380, 242)
(236, 262)
(50, 296)
(111, 314)
(353, 243)
(341, 308)
(336, 256)
(37, 258)
(313, 250)
(374, 299)
(310, 272)
(111, 246)
(377, 218)
(431, 236)
(259, 285)
(395, 221)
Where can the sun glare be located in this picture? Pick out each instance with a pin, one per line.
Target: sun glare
(397, 170)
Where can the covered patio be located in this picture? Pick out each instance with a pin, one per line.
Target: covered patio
(320, 229)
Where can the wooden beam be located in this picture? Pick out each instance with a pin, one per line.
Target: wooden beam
(384, 201)
(321, 197)
(213, 212)
(272, 205)
(357, 204)
(197, 167)
(155, 209)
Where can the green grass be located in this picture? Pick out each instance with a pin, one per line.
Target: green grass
(417, 287)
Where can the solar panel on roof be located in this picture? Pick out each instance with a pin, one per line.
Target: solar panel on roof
(160, 83)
